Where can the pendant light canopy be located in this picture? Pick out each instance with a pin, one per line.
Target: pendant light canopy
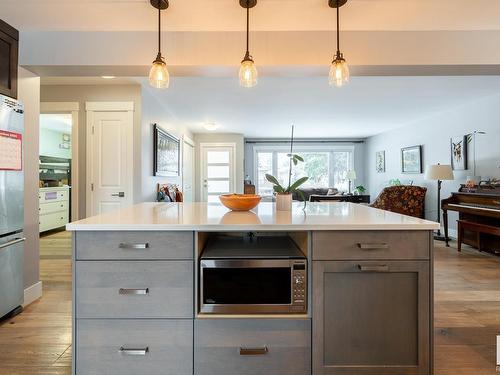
(248, 71)
(158, 75)
(339, 70)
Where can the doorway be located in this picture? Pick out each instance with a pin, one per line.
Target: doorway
(217, 170)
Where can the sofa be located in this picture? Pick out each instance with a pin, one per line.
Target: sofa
(313, 191)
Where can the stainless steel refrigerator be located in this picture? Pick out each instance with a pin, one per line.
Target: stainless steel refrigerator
(11, 206)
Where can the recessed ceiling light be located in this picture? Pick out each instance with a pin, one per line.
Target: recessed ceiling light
(211, 126)
(108, 77)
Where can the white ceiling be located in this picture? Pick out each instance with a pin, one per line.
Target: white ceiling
(367, 106)
(56, 122)
(270, 15)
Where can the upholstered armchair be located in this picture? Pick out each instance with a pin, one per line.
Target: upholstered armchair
(403, 199)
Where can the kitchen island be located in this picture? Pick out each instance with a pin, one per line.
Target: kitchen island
(367, 288)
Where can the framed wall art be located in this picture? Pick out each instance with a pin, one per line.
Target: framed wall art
(166, 153)
(411, 159)
(380, 161)
(458, 149)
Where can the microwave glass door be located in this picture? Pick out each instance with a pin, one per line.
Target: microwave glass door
(247, 286)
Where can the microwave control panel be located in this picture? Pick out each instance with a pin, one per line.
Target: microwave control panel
(299, 286)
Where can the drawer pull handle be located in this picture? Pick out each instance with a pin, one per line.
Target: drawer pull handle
(373, 246)
(125, 291)
(134, 246)
(254, 351)
(378, 268)
(134, 351)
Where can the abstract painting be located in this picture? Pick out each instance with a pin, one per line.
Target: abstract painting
(411, 159)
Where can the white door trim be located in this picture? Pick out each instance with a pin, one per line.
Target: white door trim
(90, 108)
(204, 145)
(73, 108)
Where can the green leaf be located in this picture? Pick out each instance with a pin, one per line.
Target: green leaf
(297, 183)
(295, 161)
(301, 193)
(278, 189)
(272, 179)
(298, 157)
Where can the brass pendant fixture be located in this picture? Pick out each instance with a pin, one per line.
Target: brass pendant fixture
(248, 72)
(339, 70)
(158, 75)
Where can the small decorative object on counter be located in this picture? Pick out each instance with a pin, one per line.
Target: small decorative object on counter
(284, 195)
(240, 202)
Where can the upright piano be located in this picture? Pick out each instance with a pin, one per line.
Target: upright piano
(480, 205)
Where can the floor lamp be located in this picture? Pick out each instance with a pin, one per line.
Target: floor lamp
(439, 173)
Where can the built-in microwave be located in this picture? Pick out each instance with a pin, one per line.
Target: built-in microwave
(265, 275)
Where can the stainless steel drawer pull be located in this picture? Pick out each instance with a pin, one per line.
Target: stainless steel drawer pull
(136, 292)
(373, 246)
(254, 351)
(136, 246)
(377, 268)
(13, 242)
(134, 351)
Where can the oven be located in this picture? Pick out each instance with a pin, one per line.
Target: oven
(269, 276)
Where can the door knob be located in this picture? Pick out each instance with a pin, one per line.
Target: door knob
(121, 194)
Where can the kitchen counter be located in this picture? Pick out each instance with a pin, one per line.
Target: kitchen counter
(214, 217)
(364, 288)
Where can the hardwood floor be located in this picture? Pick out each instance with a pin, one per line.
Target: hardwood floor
(467, 314)
(38, 341)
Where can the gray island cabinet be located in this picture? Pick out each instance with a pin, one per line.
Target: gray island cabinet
(136, 294)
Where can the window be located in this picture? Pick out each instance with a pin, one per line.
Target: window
(325, 168)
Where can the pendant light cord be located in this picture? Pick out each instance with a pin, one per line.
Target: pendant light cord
(248, 26)
(159, 28)
(338, 28)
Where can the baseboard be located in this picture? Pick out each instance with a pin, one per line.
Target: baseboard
(452, 233)
(32, 293)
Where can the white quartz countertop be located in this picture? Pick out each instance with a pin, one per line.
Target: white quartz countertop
(216, 217)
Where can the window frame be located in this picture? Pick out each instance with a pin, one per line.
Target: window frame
(298, 149)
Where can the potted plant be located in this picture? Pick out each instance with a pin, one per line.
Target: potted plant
(284, 194)
(360, 189)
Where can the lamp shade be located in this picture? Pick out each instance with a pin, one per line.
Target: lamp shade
(439, 172)
(350, 175)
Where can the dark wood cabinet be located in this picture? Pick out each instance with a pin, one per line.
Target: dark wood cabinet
(9, 51)
(371, 317)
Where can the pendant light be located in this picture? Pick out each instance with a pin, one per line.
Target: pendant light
(339, 70)
(248, 71)
(158, 75)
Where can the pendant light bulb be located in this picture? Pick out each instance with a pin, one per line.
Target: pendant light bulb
(339, 72)
(158, 75)
(248, 73)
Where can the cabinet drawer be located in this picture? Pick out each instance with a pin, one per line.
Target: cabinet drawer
(252, 346)
(345, 245)
(53, 220)
(53, 196)
(134, 245)
(48, 208)
(161, 347)
(122, 289)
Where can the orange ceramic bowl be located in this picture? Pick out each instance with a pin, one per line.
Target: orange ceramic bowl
(240, 202)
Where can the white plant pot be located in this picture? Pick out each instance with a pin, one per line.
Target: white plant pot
(284, 202)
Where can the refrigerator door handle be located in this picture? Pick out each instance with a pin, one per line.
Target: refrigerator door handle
(13, 242)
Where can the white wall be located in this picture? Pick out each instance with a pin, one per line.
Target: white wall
(154, 112)
(237, 139)
(29, 95)
(434, 134)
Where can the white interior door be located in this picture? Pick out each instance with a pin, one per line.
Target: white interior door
(188, 170)
(218, 171)
(109, 157)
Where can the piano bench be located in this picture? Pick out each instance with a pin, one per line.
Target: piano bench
(475, 227)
